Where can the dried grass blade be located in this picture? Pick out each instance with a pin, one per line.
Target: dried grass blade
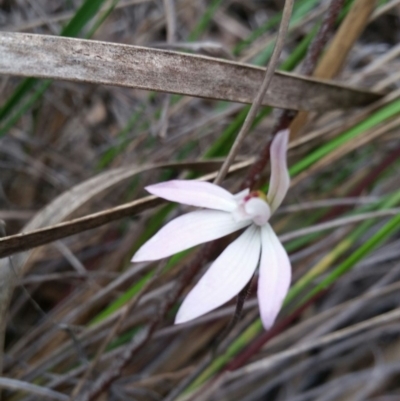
(24, 241)
(166, 71)
(33, 235)
(32, 388)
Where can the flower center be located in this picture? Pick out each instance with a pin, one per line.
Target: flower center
(255, 207)
(256, 194)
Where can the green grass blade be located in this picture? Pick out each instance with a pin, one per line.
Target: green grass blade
(25, 86)
(101, 18)
(205, 20)
(12, 120)
(378, 117)
(83, 15)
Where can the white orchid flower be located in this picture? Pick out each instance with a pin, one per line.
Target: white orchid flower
(224, 214)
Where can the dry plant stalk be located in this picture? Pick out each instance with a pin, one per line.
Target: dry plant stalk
(334, 58)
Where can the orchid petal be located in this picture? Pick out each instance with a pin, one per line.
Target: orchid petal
(274, 278)
(225, 278)
(280, 180)
(258, 210)
(239, 214)
(195, 193)
(186, 231)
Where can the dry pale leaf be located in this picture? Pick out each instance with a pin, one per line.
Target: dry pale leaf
(166, 71)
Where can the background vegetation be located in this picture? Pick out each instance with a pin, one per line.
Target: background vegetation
(81, 322)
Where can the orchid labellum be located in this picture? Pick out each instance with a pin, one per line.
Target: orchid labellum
(223, 213)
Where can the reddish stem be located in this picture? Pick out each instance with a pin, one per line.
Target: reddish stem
(253, 176)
